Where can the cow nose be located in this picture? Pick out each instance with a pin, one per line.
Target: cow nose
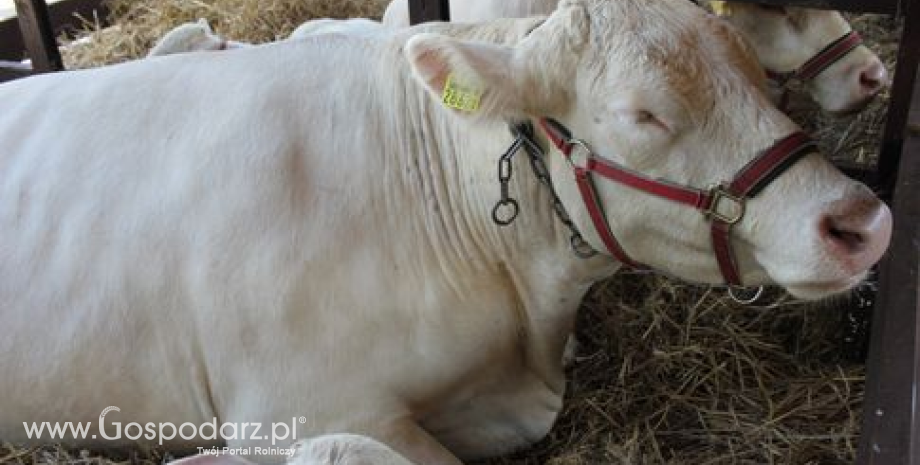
(856, 231)
(873, 78)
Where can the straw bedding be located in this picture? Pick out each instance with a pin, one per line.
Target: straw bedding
(666, 373)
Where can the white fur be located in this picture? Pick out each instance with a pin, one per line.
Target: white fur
(354, 26)
(302, 229)
(192, 37)
(198, 36)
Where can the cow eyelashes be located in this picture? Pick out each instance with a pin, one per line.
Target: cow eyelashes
(635, 117)
(645, 117)
(791, 16)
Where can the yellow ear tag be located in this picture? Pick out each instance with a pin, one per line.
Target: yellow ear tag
(721, 8)
(459, 96)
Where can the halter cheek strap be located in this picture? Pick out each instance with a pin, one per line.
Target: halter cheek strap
(723, 205)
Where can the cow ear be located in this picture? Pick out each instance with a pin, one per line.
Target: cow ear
(477, 79)
(211, 459)
(472, 79)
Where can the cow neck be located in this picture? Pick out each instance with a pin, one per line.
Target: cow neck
(507, 208)
(723, 205)
(832, 53)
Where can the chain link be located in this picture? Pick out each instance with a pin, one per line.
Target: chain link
(506, 210)
(524, 138)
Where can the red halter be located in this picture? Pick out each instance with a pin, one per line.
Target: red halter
(722, 204)
(829, 55)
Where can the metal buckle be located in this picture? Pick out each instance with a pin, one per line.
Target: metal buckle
(717, 193)
(580, 246)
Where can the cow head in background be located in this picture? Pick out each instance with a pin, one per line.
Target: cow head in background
(785, 38)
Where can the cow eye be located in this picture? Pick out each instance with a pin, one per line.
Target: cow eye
(645, 117)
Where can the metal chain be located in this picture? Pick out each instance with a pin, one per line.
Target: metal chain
(506, 210)
(579, 245)
(524, 138)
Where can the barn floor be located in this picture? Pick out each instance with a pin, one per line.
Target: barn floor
(666, 373)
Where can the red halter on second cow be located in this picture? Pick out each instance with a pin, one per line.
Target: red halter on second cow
(818, 63)
(712, 202)
(826, 57)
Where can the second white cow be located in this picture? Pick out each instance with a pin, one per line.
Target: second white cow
(199, 37)
(784, 38)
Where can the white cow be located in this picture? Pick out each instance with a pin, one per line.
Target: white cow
(784, 39)
(301, 234)
(199, 37)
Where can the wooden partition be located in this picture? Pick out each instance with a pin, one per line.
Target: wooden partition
(31, 34)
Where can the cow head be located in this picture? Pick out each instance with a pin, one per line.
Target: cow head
(665, 90)
(785, 38)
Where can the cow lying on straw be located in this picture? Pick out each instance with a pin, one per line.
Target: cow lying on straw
(304, 233)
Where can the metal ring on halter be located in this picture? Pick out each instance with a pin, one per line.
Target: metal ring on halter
(512, 205)
(745, 301)
(587, 153)
(580, 247)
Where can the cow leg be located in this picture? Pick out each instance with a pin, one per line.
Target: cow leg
(409, 439)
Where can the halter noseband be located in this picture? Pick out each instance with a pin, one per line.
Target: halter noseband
(829, 55)
(722, 204)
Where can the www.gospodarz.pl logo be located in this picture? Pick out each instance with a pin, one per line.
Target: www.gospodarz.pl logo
(159, 432)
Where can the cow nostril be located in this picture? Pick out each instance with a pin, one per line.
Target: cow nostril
(850, 241)
(855, 230)
(845, 234)
(869, 83)
(873, 78)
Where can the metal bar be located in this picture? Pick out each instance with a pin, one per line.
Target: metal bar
(904, 78)
(10, 70)
(891, 420)
(65, 16)
(421, 11)
(35, 24)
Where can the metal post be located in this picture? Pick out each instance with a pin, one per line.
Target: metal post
(891, 420)
(421, 11)
(908, 60)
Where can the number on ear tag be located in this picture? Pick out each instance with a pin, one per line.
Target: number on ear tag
(459, 96)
